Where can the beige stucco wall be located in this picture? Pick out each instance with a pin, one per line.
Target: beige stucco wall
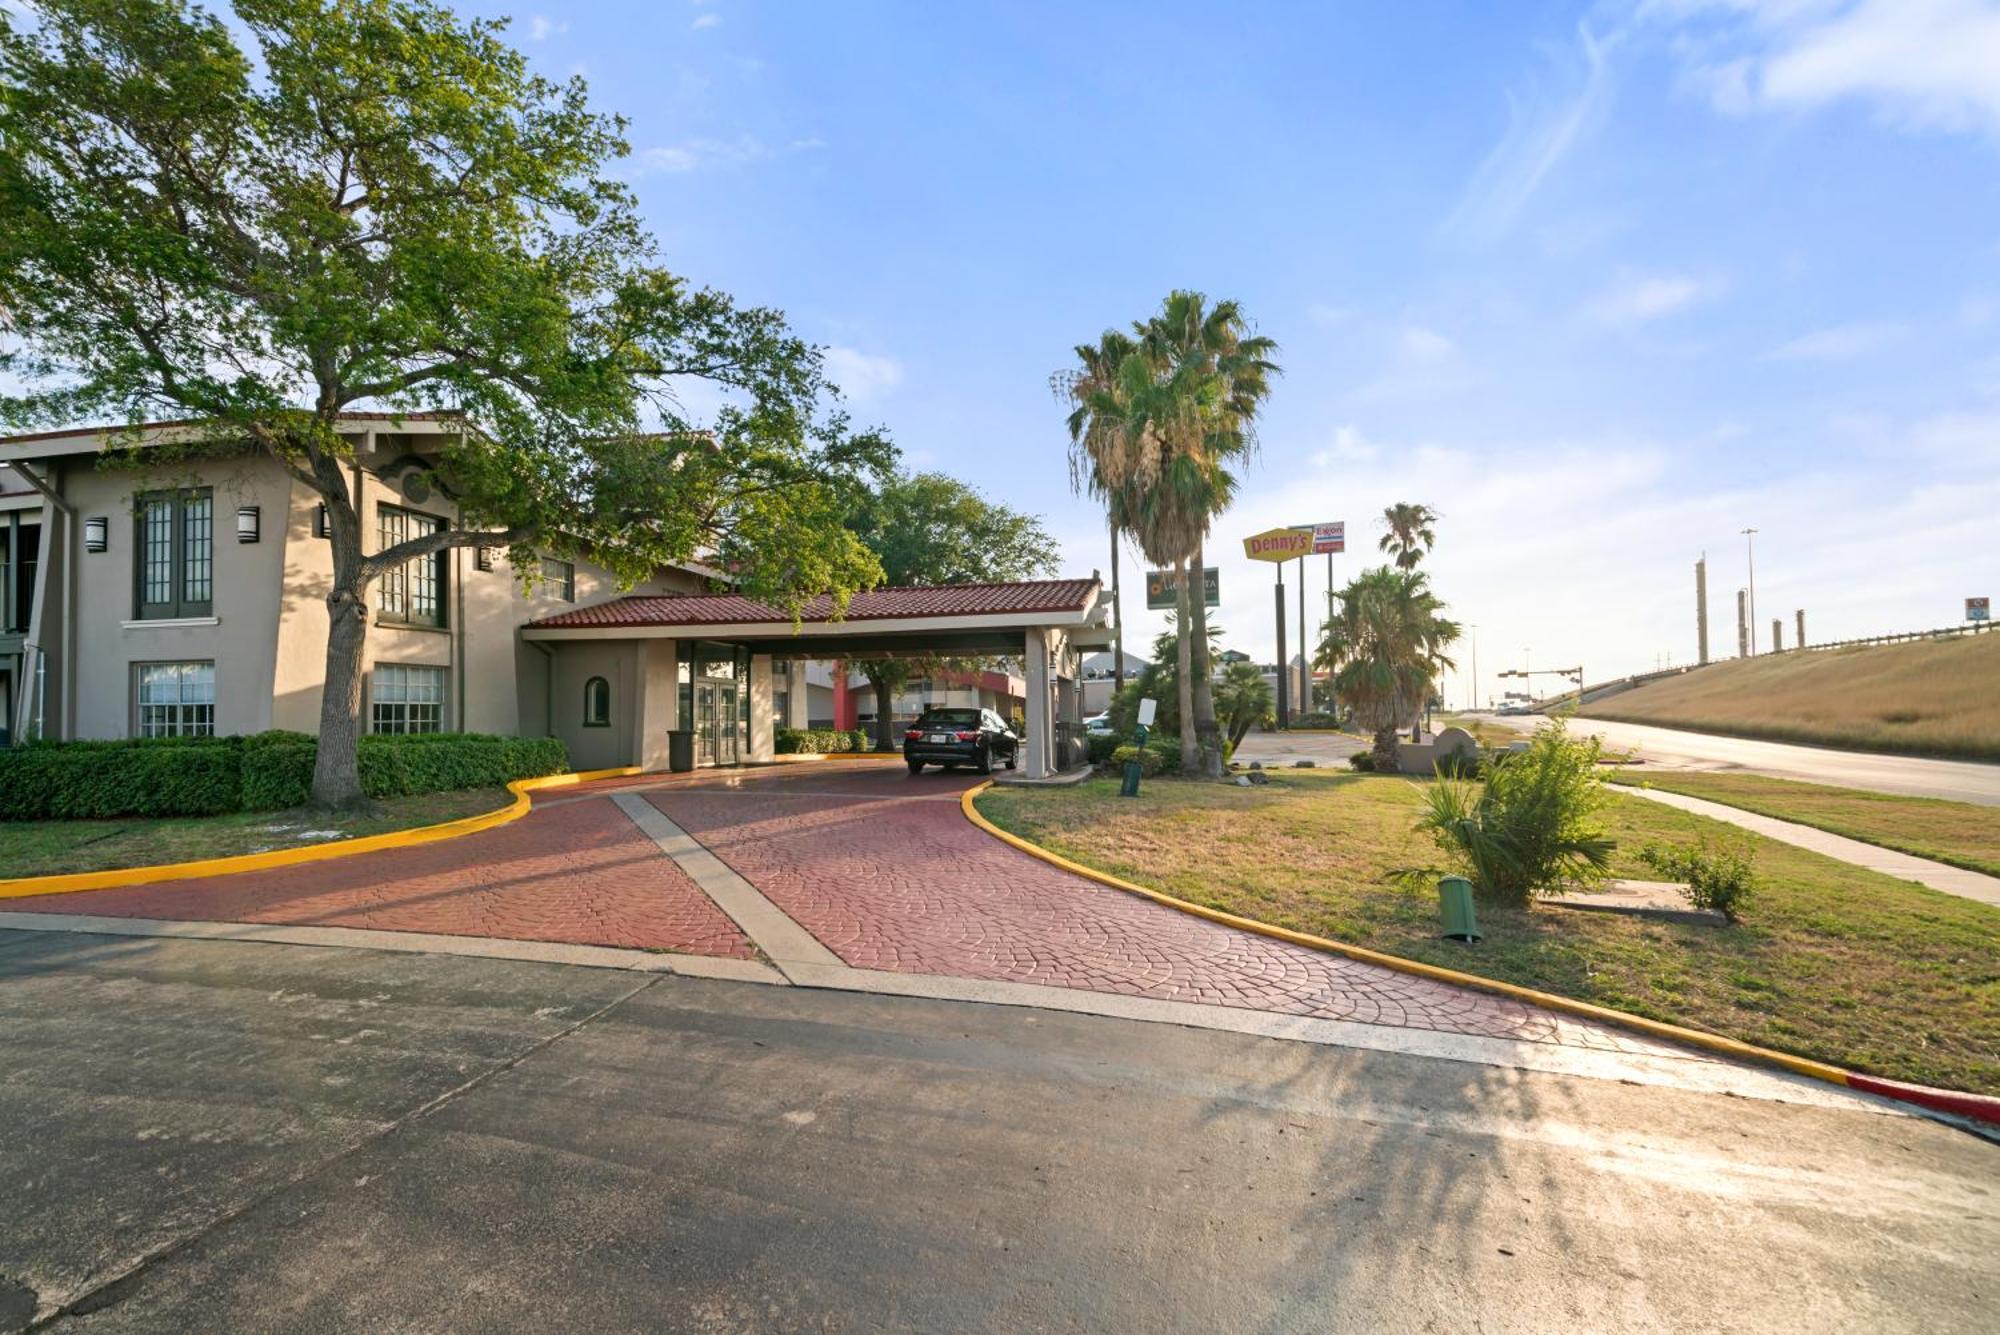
(239, 636)
(267, 636)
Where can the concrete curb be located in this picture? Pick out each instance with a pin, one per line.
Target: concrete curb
(1977, 1107)
(21, 887)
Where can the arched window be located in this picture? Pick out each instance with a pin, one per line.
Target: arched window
(597, 703)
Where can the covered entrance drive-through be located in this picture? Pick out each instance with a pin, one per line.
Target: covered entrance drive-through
(702, 663)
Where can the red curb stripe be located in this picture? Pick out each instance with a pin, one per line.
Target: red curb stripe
(1979, 1107)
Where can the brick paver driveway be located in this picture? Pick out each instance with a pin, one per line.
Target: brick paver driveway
(882, 868)
(886, 871)
(572, 870)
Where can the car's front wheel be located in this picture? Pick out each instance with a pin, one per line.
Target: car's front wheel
(986, 760)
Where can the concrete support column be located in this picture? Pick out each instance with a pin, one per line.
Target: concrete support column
(659, 701)
(762, 732)
(798, 702)
(1040, 741)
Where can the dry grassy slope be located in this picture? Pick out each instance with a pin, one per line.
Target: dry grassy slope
(1937, 697)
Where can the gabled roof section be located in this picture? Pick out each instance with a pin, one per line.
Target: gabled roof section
(1056, 597)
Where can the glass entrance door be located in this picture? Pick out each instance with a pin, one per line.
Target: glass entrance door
(715, 731)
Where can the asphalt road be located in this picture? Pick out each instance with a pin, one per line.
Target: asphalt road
(219, 1135)
(1957, 780)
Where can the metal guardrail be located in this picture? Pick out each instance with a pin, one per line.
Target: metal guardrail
(1942, 633)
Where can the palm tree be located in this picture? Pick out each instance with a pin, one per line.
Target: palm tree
(1091, 431)
(1412, 533)
(1222, 374)
(1384, 648)
(1158, 417)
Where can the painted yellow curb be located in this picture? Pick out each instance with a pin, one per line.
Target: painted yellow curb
(1547, 1000)
(71, 882)
(806, 757)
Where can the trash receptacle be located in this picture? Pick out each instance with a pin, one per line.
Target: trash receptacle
(680, 751)
(1455, 906)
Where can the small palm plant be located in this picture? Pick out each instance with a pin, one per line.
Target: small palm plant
(1532, 827)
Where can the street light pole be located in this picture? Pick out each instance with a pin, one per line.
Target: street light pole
(1474, 706)
(1750, 555)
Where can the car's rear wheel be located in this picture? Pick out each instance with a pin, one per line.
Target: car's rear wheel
(916, 766)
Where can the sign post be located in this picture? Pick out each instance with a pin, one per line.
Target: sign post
(1279, 545)
(1330, 538)
(1147, 709)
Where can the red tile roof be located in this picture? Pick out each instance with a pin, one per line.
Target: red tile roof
(934, 600)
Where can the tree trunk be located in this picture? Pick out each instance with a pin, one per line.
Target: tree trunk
(336, 768)
(885, 703)
(1385, 749)
(1184, 674)
(1117, 623)
(1208, 735)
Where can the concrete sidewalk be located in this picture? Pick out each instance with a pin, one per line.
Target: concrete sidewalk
(1937, 875)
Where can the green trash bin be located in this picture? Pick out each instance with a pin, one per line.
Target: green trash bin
(1455, 906)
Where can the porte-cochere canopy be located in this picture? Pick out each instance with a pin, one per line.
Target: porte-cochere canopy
(1045, 623)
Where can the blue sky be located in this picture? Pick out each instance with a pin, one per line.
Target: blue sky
(1603, 283)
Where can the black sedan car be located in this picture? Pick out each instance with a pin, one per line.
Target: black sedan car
(954, 737)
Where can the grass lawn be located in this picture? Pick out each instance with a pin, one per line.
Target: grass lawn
(1831, 962)
(1962, 834)
(46, 847)
(1928, 697)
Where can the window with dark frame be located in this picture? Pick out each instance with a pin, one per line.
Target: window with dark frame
(405, 698)
(597, 703)
(560, 577)
(174, 555)
(176, 699)
(413, 593)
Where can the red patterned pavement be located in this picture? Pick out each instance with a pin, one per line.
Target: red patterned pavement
(887, 872)
(575, 872)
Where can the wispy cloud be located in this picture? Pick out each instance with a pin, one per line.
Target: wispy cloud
(704, 153)
(1840, 343)
(1326, 314)
(541, 27)
(702, 21)
(1920, 64)
(1637, 298)
(863, 377)
(1544, 124)
(1423, 345)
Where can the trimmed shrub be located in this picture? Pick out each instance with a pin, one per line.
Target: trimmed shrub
(211, 776)
(1314, 718)
(159, 776)
(821, 741)
(1719, 878)
(1100, 745)
(1160, 755)
(1362, 761)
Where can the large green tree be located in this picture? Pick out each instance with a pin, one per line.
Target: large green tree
(1384, 649)
(929, 528)
(374, 204)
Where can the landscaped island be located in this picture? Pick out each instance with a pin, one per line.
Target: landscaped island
(1831, 961)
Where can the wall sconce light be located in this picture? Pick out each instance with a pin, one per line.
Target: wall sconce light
(322, 526)
(96, 534)
(482, 558)
(247, 523)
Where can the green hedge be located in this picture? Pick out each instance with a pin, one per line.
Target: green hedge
(210, 776)
(1160, 755)
(821, 741)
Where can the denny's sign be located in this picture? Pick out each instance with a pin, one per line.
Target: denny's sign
(1279, 544)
